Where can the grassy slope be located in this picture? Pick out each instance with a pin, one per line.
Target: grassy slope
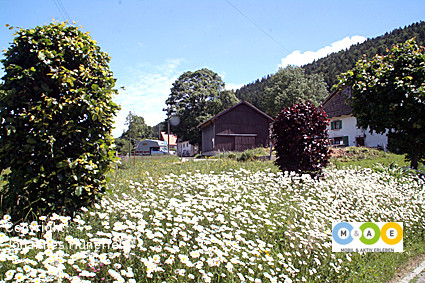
(366, 157)
(395, 265)
(373, 267)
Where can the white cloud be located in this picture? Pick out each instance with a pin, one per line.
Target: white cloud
(145, 94)
(297, 58)
(230, 86)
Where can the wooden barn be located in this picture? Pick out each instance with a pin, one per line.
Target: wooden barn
(240, 127)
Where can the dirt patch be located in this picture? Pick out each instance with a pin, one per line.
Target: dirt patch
(337, 152)
(406, 268)
(353, 153)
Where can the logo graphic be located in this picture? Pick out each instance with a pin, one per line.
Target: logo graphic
(367, 237)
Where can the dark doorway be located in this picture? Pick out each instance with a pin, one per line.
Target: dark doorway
(360, 141)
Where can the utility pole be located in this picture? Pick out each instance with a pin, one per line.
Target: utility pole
(129, 135)
(168, 122)
(159, 131)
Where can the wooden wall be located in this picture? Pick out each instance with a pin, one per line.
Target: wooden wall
(207, 136)
(239, 129)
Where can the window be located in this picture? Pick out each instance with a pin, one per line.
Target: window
(340, 141)
(336, 125)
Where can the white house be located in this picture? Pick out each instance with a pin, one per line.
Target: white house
(184, 148)
(343, 130)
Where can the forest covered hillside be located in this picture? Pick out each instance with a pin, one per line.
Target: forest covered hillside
(336, 63)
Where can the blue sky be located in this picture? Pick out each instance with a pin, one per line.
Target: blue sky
(153, 42)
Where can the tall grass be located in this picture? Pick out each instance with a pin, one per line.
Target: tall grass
(164, 220)
(366, 158)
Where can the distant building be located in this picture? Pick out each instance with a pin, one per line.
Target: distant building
(240, 127)
(343, 130)
(185, 148)
(173, 139)
(150, 147)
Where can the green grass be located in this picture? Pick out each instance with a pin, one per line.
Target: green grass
(2, 181)
(247, 209)
(247, 155)
(368, 158)
(135, 169)
(372, 267)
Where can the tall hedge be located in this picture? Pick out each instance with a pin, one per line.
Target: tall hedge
(301, 139)
(56, 119)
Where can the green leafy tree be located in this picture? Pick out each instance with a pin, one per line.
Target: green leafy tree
(137, 130)
(56, 120)
(196, 97)
(123, 146)
(157, 129)
(225, 99)
(290, 85)
(389, 94)
(254, 92)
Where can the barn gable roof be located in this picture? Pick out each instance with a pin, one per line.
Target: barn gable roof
(335, 104)
(173, 138)
(243, 102)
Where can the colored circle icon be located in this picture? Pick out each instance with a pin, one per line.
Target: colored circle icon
(369, 238)
(393, 229)
(341, 233)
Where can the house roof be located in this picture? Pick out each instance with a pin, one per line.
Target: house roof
(335, 104)
(206, 123)
(173, 138)
(329, 97)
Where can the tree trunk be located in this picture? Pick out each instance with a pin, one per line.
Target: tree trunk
(414, 161)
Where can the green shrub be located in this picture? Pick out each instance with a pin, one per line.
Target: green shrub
(244, 157)
(57, 116)
(250, 154)
(231, 155)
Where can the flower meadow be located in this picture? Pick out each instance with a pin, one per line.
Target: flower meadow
(237, 224)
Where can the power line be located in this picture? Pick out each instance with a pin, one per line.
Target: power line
(257, 26)
(62, 10)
